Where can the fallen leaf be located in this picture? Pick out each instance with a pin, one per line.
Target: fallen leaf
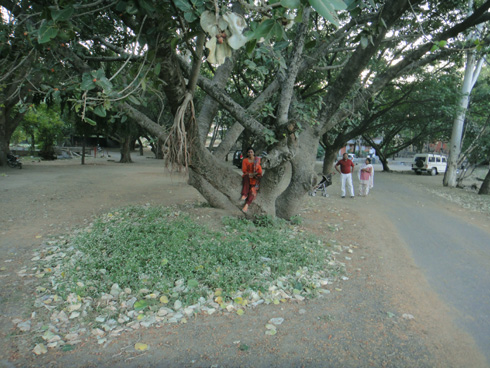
(140, 346)
(240, 312)
(164, 299)
(140, 304)
(67, 347)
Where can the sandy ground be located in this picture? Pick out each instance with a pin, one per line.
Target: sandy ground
(359, 324)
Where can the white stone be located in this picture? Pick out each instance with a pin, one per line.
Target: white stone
(74, 315)
(98, 332)
(74, 307)
(40, 349)
(276, 321)
(24, 326)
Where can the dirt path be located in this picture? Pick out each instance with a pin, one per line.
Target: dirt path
(359, 324)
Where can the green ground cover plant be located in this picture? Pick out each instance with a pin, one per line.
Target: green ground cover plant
(160, 249)
(148, 266)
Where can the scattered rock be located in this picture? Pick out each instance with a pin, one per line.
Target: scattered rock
(40, 349)
(276, 321)
(24, 326)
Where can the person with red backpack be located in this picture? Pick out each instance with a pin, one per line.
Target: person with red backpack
(252, 172)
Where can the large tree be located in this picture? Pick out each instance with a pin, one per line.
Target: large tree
(291, 87)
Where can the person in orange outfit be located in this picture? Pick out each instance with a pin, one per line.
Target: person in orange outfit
(252, 172)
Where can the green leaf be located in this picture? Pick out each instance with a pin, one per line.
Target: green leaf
(146, 5)
(183, 5)
(190, 16)
(140, 305)
(157, 69)
(105, 84)
(442, 43)
(134, 100)
(264, 30)
(278, 31)
(383, 23)
(123, 119)
(250, 47)
(326, 10)
(87, 82)
(90, 121)
(67, 347)
(46, 32)
(291, 4)
(99, 110)
(338, 4)
(435, 47)
(192, 283)
(62, 15)
(99, 73)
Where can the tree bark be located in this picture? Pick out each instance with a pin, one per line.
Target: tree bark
(471, 74)
(126, 150)
(485, 187)
(329, 160)
(302, 175)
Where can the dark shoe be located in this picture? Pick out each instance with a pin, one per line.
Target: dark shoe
(343, 196)
(352, 196)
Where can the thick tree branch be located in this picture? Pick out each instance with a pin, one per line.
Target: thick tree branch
(287, 86)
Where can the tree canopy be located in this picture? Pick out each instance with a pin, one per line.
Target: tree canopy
(284, 73)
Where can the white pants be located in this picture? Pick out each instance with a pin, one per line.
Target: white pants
(364, 189)
(347, 178)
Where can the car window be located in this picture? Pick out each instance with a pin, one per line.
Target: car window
(431, 159)
(443, 159)
(438, 159)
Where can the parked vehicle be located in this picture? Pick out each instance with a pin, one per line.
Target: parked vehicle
(431, 163)
(237, 159)
(13, 161)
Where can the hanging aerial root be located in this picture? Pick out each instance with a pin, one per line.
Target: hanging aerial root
(177, 155)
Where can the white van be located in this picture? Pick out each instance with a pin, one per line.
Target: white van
(430, 163)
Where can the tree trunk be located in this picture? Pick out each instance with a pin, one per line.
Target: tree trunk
(302, 175)
(159, 149)
(83, 150)
(329, 160)
(485, 187)
(141, 147)
(384, 161)
(7, 128)
(126, 150)
(470, 76)
(4, 149)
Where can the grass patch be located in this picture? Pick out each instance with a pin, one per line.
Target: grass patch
(163, 250)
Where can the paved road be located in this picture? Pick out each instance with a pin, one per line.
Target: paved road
(453, 252)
